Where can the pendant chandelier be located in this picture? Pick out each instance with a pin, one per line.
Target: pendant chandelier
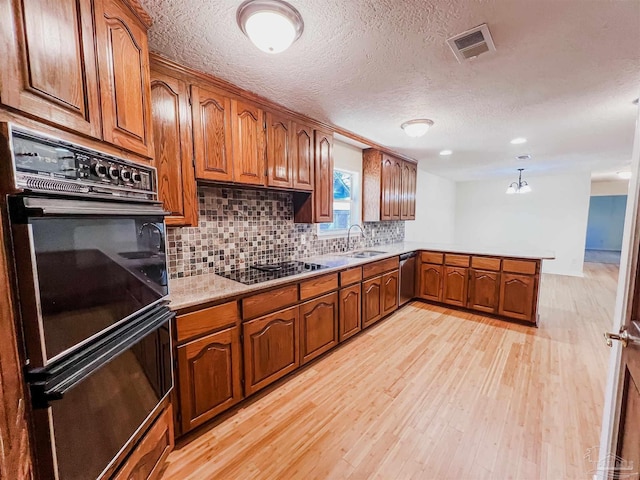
(520, 186)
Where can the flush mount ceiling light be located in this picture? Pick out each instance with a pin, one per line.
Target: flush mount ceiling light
(445, 153)
(417, 128)
(636, 101)
(520, 186)
(518, 141)
(625, 175)
(272, 25)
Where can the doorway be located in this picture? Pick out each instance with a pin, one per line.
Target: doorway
(605, 228)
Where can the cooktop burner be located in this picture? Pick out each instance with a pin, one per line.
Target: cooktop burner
(264, 273)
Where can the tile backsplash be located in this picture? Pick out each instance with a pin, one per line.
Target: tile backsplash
(240, 227)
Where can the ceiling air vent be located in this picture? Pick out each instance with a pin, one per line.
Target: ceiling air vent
(524, 157)
(468, 45)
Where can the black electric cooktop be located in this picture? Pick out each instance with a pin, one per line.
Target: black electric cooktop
(264, 273)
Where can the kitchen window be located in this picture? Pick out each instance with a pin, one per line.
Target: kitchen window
(346, 204)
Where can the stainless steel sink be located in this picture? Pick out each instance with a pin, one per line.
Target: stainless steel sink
(138, 255)
(364, 254)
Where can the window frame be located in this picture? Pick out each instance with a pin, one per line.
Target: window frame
(356, 208)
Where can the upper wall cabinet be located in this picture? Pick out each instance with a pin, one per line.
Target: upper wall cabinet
(323, 191)
(49, 66)
(211, 111)
(279, 151)
(303, 157)
(247, 132)
(123, 61)
(171, 120)
(389, 186)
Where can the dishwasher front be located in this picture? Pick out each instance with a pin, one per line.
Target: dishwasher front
(407, 277)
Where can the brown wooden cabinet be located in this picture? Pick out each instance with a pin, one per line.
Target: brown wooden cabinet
(123, 65)
(390, 292)
(210, 376)
(431, 282)
(517, 294)
(484, 290)
(388, 187)
(247, 133)
(318, 326)
(171, 120)
(280, 154)
(454, 290)
(303, 157)
(212, 145)
(350, 311)
(323, 191)
(270, 348)
(48, 63)
(371, 301)
(408, 196)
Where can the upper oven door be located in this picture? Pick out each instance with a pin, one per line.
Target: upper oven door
(83, 268)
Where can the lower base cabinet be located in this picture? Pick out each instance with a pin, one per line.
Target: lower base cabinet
(210, 376)
(147, 460)
(371, 304)
(270, 348)
(350, 311)
(455, 286)
(430, 282)
(516, 296)
(484, 290)
(318, 326)
(390, 292)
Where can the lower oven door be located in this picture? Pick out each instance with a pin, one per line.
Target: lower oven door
(88, 409)
(84, 267)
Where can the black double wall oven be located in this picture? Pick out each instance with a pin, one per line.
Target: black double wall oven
(89, 243)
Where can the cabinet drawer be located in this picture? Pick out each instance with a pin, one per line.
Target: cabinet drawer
(348, 277)
(318, 286)
(194, 324)
(528, 267)
(270, 301)
(377, 268)
(456, 260)
(486, 263)
(431, 257)
(147, 459)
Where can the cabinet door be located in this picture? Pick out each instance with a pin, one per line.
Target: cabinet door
(211, 116)
(123, 64)
(431, 282)
(516, 296)
(390, 292)
(318, 326)
(350, 311)
(173, 159)
(270, 348)
(279, 151)
(210, 376)
(247, 127)
(390, 205)
(48, 62)
(323, 191)
(302, 162)
(371, 301)
(484, 288)
(455, 286)
(408, 196)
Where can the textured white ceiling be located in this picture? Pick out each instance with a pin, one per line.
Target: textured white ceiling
(564, 75)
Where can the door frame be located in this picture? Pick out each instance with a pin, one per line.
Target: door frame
(624, 298)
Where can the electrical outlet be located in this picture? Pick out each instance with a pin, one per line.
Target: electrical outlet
(303, 239)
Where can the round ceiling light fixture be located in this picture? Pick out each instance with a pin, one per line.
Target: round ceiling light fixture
(272, 25)
(417, 128)
(625, 175)
(518, 141)
(446, 153)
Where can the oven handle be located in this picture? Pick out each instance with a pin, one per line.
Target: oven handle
(44, 206)
(45, 390)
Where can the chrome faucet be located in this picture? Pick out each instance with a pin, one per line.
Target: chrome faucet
(349, 234)
(160, 245)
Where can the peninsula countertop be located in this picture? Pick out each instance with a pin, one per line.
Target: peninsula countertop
(210, 288)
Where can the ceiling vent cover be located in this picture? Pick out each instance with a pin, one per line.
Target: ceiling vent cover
(468, 45)
(524, 157)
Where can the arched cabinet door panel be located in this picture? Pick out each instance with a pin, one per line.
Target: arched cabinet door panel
(484, 290)
(350, 311)
(247, 126)
(431, 282)
(318, 326)
(280, 153)
(455, 286)
(517, 293)
(371, 301)
(303, 156)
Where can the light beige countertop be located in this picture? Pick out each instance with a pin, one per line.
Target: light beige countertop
(211, 288)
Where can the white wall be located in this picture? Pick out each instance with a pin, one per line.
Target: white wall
(609, 187)
(435, 210)
(552, 217)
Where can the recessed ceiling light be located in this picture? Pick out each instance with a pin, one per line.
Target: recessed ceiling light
(445, 153)
(272, 25)
(636, 101)
(518, 141)
(418, 127)
(625, 175)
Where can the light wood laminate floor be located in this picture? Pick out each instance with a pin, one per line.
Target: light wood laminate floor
(431, 393)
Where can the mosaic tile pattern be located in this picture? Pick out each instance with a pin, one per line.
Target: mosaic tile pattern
(239, 228)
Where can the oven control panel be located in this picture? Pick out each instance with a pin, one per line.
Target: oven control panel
(48, 165)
